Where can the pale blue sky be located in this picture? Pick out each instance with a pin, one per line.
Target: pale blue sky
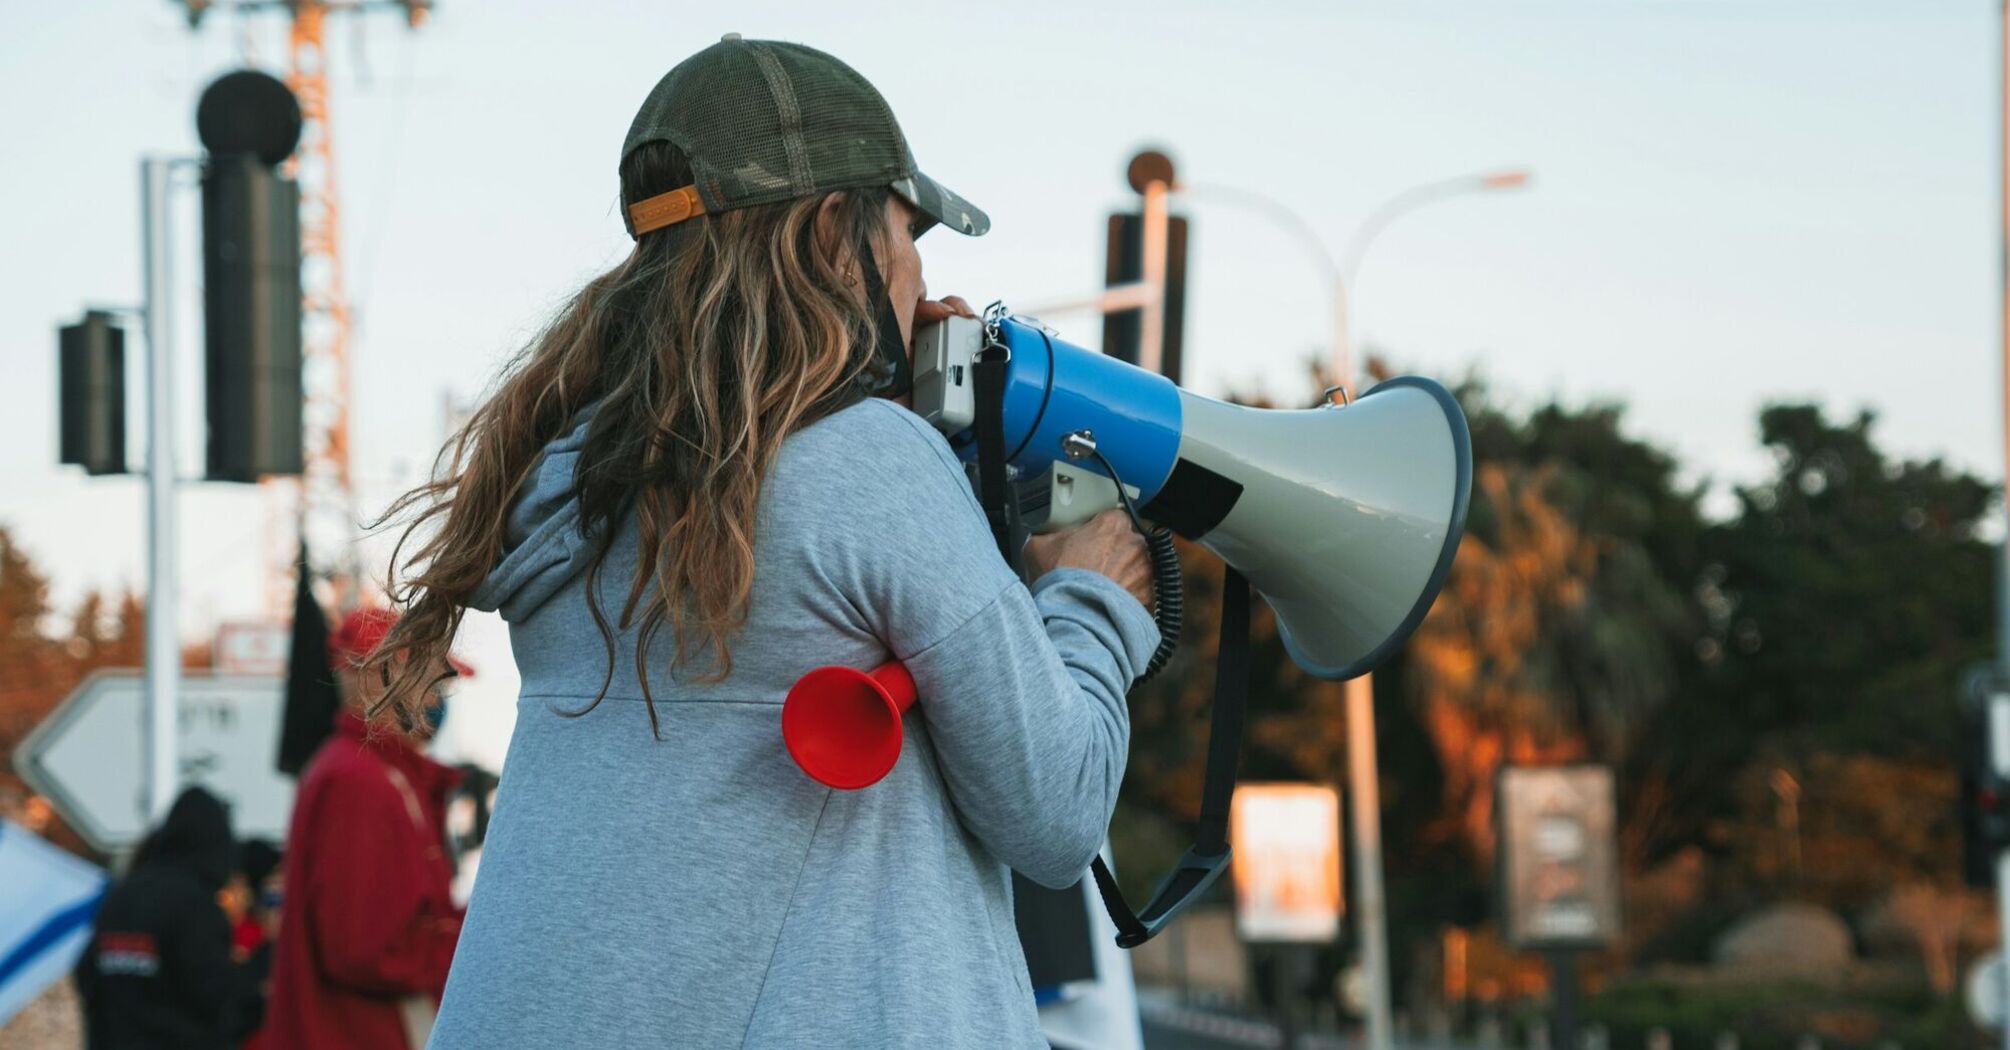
(1735, 200)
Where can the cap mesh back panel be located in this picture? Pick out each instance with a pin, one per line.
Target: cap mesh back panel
(733, 133)
(852, 138)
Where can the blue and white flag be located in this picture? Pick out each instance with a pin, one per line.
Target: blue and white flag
(45, 915)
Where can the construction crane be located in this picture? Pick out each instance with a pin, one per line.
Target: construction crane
(324, 508)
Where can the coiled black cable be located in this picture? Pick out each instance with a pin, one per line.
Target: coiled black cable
(1168, 584)
(1168, 598)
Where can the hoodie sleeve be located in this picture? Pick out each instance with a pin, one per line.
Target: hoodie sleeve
(1022, 691)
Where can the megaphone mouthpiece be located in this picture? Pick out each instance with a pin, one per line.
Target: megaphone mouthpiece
(843, 726)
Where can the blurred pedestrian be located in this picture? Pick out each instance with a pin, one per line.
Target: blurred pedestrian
(370, 922)
(158, 970)
(258, 879)
(701, 481)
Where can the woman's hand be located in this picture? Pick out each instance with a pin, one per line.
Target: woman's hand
(1106, 544)
(929, 311)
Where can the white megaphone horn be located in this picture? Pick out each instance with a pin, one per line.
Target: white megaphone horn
(1344, 518)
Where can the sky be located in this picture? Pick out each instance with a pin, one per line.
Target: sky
(1734, 202)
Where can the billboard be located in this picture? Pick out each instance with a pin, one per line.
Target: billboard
(1286, 844)
(1558, 857)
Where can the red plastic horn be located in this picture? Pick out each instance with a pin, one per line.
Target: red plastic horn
(842, 725)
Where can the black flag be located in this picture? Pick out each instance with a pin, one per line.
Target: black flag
(311, 696)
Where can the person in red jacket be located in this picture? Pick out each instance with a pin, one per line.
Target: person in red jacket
(371, 923)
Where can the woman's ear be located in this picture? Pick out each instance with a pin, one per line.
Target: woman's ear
(830, 231)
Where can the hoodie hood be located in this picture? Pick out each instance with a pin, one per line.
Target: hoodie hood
(544, 547)
(195, 835)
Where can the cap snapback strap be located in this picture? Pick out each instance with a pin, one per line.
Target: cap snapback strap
(664, 209)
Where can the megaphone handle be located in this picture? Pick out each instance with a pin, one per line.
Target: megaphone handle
(1168, 584)
(893, 677)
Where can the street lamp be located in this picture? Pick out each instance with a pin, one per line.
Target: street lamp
(1338, 275)
(1378, 220)
(1364, 794)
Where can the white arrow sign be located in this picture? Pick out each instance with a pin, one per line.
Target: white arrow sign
(89, 755)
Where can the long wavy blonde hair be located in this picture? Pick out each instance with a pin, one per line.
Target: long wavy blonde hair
(711, 342)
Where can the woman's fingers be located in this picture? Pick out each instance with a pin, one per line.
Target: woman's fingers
(1105, 544)
(929, 311)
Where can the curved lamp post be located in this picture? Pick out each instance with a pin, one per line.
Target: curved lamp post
(1338, 274)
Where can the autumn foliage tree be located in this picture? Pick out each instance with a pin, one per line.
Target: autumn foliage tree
(45, 653)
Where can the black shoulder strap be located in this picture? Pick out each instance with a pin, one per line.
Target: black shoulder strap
(1209, 855)
(988, 386)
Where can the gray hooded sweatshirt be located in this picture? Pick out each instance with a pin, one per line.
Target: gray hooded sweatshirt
(699, 890)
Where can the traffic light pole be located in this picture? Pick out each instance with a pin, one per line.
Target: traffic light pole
(1151, 320)
(163, 650)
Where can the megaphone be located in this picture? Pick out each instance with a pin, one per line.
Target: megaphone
(1344, 517)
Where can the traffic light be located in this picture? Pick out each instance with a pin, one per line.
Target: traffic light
(91, 394)
(1125, 264)
(251, 278)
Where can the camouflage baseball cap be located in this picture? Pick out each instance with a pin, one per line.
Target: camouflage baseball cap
(764, 121)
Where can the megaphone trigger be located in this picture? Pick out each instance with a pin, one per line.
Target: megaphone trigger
(1168, 584)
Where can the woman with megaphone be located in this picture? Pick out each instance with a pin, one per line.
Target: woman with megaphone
(698, 483)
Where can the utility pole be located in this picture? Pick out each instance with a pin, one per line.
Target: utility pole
(163, 640)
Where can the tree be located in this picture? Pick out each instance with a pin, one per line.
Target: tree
(34, 670)
(1483, 669)
(44, 655)
(1849, 593)
(1567, 623)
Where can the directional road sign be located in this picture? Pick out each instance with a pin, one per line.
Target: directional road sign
(89, 755)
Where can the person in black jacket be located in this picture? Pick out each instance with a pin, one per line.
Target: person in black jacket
(255, 921)
(158, 971)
